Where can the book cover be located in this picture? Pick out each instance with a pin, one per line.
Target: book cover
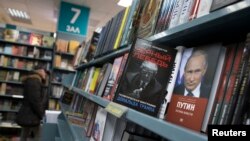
(147, 72)
(48, 41)
(190, 96)
(149, 18)
(73, 46)
(217, 4)
(98, 128)
(23, 37)
(11, 35)
(112, 78)
(36, 39)
(170, 85)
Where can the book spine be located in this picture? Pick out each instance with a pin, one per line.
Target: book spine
(170, 86)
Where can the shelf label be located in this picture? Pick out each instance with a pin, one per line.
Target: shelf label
(116, 109)
(73, 19)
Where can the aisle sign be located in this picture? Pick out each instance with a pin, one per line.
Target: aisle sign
(73, 19)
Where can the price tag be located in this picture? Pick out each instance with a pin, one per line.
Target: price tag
(116, 109)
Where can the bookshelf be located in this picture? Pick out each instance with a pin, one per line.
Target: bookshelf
(228, 23)
(17, 58)
(62, 66)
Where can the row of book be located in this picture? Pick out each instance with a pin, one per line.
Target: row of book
(21, 63)
(160, 15)
(56, 91)
(101, 81)
(7, 89)
(14, 35)
(86, 50)
(143, 19)
(54, 104)
(63, 62)
(26, 51)
(9, 105)
(219, 86)
(10, 75)
(65, 46)
(99, 124)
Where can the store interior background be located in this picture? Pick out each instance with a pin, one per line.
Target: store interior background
(44, 13)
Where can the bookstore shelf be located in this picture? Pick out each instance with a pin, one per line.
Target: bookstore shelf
(62, 69)
(8, 110)
(8, 125)
(105, 58)
(56, 83)
(225, 23)
(160, 127)
(11, 82)
(228, 23)
(57, 139)
(11, 68)
(65, 54)
(12, 96)
(77, 132)
(64, 131)
(24, 44)
(24, 57)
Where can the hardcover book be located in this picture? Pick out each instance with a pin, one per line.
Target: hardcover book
(149, 18)
(36, 39)
(147, 72)
(48, 41)
(193, 88)
(23, 37)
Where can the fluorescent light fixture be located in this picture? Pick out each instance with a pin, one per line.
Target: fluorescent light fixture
(18, 13)
(125, 3)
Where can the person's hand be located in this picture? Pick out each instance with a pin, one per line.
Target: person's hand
(137, 92)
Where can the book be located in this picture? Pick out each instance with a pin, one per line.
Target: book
(73, 46)
(11, 35)
(48, 41)
(36, 39)
(190, 96)
(217, 4)
(149, 18)
(147, 72)
(112, 78)
(23, 37)
(99, 124)
(170, 85)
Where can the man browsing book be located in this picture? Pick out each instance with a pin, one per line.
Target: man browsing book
(194, 71)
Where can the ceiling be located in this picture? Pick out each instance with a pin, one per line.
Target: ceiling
(44, 13)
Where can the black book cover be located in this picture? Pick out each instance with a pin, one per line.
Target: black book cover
(147, 72)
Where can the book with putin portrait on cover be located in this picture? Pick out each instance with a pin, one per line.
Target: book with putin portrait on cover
(144, 79)
(196, 82)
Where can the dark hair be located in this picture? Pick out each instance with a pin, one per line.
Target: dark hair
(41, 67)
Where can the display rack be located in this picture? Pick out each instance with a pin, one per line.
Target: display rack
(7, 112)
(227, 23)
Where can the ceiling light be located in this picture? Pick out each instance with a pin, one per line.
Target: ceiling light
(125, 3)
(18, 13)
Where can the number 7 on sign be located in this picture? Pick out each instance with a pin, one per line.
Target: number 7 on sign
(76, 15)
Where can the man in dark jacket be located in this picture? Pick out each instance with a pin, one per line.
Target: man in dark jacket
(34, 103)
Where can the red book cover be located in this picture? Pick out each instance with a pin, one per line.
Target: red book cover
(190, 97)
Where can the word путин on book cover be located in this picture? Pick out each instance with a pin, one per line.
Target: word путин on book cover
(147, 72)
(194, 85)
